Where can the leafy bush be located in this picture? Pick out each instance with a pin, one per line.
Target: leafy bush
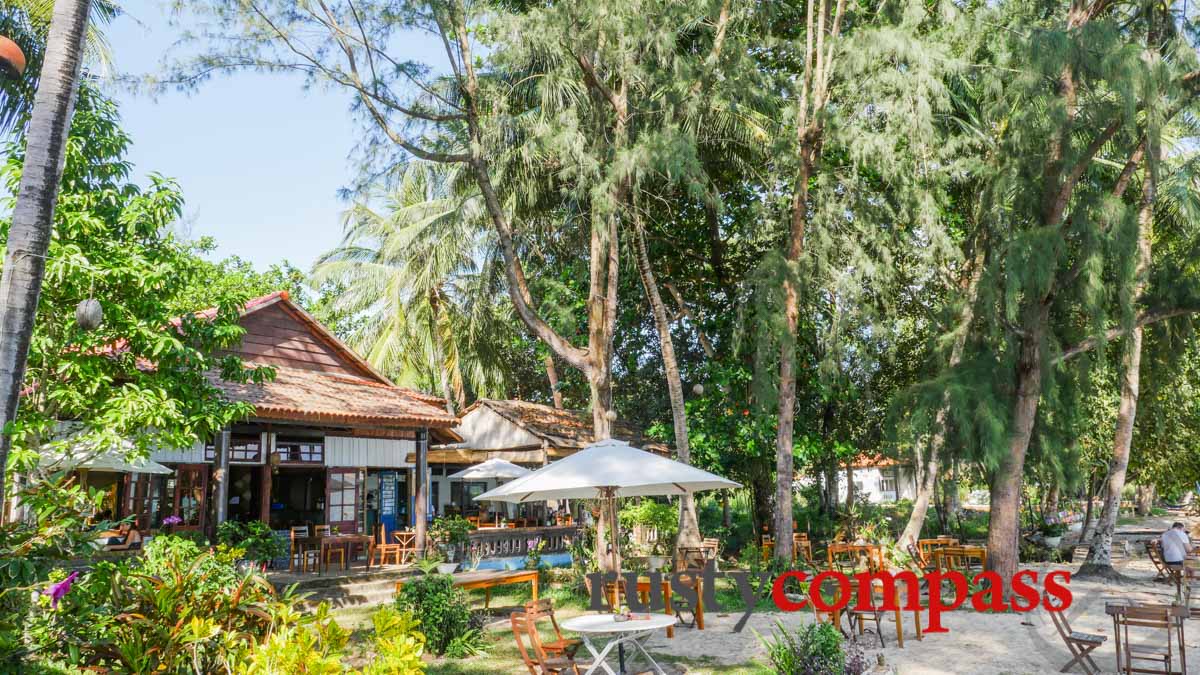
(254, 537)
(1053, 529)
(651, 514)
(814, 649)
(442, 606)
(451, 534)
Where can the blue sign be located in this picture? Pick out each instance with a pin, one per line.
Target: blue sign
(387, 500)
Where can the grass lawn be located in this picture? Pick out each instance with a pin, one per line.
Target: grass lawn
(501, 655)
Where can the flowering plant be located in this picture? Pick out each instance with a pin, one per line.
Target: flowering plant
(171, 520)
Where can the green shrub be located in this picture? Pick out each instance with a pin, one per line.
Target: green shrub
(814, 649)
(254, 537)
(655, 515)
(442, 606)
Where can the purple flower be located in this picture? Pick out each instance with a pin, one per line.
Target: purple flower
(57, 591)
(172, 520)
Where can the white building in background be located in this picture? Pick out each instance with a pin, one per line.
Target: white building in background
(881, 479)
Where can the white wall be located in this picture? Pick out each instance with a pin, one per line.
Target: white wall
(868, 481)
(483, 429)
(373, 453)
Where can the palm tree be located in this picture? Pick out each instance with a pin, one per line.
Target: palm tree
(33, 215)
(424, 274)
(27, 23)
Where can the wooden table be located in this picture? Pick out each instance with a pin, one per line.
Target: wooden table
(325, 542)
(927, 546)
(872, 552)
(489, 579)
(950, 557)
(1178, 612)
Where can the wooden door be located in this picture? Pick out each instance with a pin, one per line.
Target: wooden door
(191, 496)
(343, 492)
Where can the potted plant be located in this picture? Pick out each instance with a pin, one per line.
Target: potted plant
(450, 533)
(1052, 534)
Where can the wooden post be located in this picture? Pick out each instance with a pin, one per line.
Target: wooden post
(420, 503)
(222, 459)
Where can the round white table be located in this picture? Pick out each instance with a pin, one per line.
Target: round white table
(633, 632)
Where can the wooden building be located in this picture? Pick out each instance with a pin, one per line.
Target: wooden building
(331, 440)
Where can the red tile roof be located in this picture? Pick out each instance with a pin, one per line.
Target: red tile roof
(307, 395)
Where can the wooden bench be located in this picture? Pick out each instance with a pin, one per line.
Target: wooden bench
(489, 579)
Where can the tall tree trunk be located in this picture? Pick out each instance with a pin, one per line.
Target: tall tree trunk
(1099, 558)
(1004, 515)
(439, 349)
(950, 487)
(1145, 500)
(1085, 532)
(689, 525)
(937, 443)
(552, 376)
(33, 215)
(850, 499)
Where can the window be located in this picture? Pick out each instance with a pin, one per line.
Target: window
(296, 450)
(887, 482)
(242, 448)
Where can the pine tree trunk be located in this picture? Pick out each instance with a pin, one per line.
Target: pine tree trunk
(552, 376)
(850, 500)
(689, 525)
(1086, 531)
(912, 530)
(1099, 558)
(1004, 514)
(33, 215)
(784, 460)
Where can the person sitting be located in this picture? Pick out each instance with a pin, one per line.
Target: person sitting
(1176, 545)
(124, 538)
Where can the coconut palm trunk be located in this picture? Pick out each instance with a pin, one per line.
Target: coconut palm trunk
(689, 526)
(33, 215)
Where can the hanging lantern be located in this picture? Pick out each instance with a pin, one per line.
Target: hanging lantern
(89, 314)
(12, 59)
(698, 389)
(611, 415)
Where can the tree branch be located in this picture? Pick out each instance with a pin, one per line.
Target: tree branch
(1146, 318)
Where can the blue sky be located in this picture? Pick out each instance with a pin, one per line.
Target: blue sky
(260, 159)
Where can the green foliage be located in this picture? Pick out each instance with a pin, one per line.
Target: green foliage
(814, 649)
(655, 515)
(254, 537)
(442, 606)
(142, 379)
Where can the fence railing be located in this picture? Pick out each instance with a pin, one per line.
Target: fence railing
(517, 541)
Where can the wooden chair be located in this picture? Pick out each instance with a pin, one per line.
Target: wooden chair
(712, 548)
(1156, 618)
(1191, 587)
(408, 545)
(533, 654)
(922, 565)
(1081, 645)
(802, 545)
(383, 549)
(301, 553)
(330, 553)
(1154, 552)
(859, 618)
(691, 558)
(543, 609)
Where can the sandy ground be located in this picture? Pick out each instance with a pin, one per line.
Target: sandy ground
(983, 644)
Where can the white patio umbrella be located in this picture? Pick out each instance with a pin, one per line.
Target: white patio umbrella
(492, 468)
(607, 470)
(84, 455)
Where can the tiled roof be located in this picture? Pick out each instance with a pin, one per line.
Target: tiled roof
(313, 396)
(564, 429)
